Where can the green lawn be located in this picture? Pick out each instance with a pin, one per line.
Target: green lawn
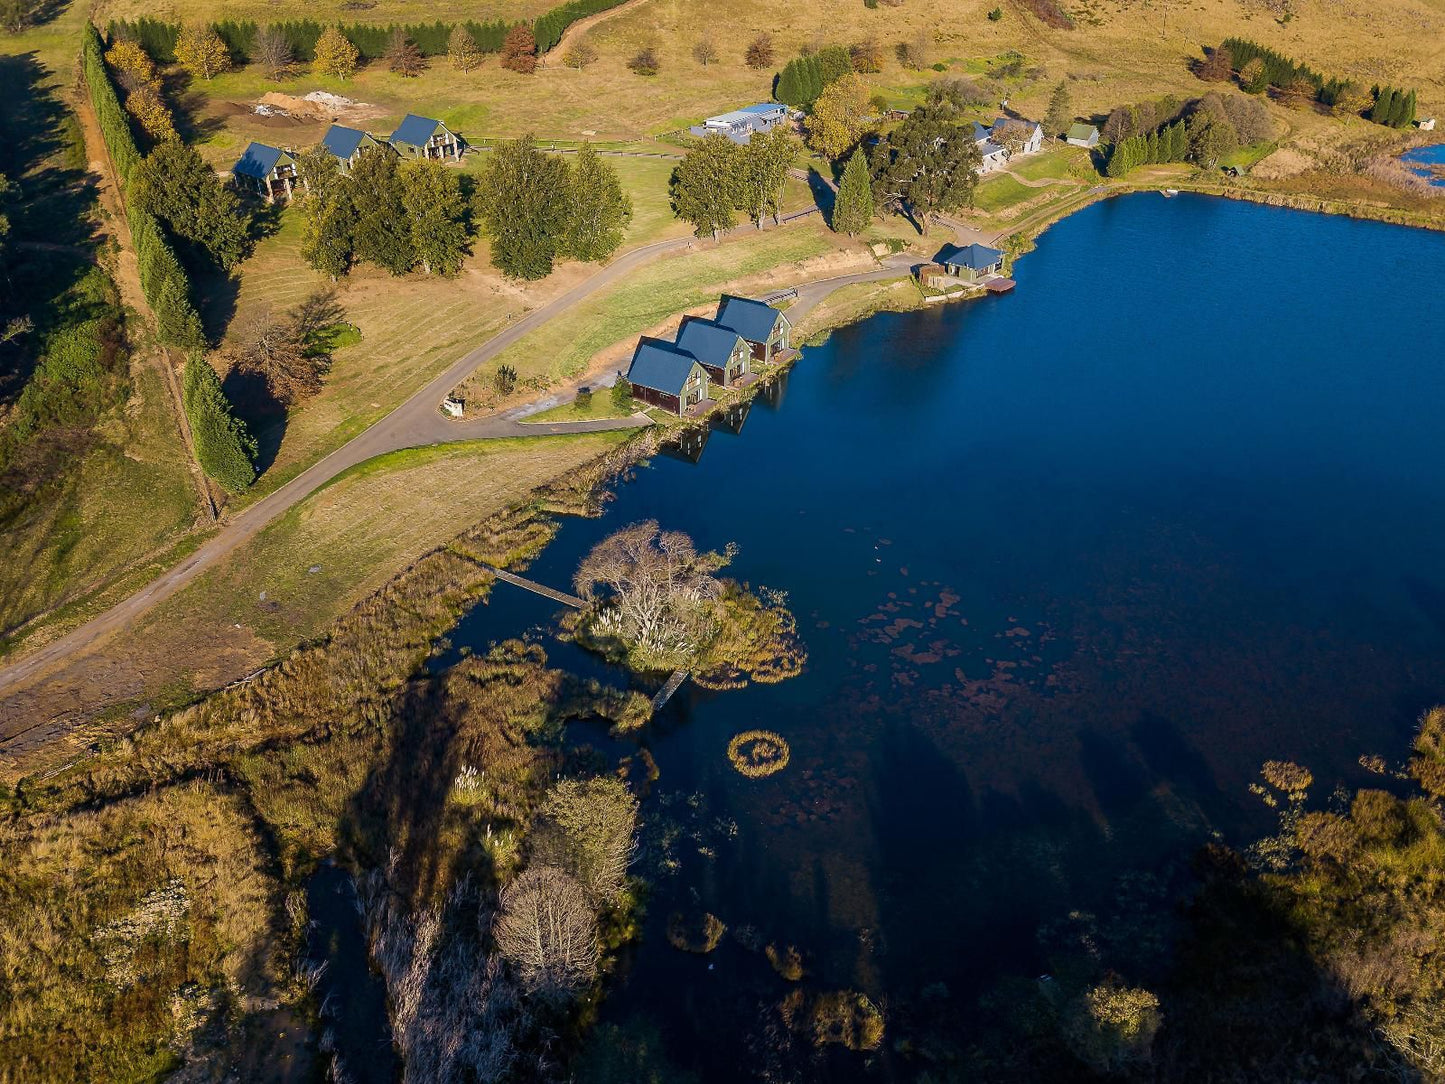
(598, 405)
(1000, 191)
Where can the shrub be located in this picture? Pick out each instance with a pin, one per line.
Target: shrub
(223, 446)
(995, 14)
(505, 379)
(645, 62)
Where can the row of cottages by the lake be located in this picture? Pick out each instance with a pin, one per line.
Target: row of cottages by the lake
(676, 376)
(270, 172)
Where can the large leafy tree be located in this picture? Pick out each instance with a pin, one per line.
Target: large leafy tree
(705, 185)
(437, 214)
(853, 208)
(327, 213)
(841, 116)
(381, 232)
(765, 162)
(600, 209)
(525, 204)
(201, 52)
(175, 185)
(335, 55)
(928, 165)
(463, 50)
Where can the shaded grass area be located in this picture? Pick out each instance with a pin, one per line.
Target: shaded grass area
(598, 405)
(94, 472)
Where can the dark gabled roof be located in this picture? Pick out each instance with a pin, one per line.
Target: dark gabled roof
(343, 141)
(753, 320)
(660, 366)
(415, 131)
(708, 341)
(974, 257)
(258, 161)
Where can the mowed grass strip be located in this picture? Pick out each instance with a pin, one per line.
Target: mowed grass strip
(359, 531)
(673, 284)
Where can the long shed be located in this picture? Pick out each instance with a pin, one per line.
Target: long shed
(667, 376)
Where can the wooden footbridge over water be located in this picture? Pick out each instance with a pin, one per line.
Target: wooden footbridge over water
(663, 694)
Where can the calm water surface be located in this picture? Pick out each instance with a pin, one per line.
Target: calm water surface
(1421, 158)
(1070, 564)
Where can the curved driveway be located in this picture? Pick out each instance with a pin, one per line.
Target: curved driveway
(417, 422)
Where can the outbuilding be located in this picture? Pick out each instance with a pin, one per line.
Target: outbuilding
(740, 124)
(667, 376)
(719, 350)
(346, 144)
(270, 172)
(763, 327)
(971, 263)
(1082, 135)
(423, 137)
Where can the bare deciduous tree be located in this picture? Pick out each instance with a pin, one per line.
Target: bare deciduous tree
(704, 51)
(659, 590)
(273, 52)
(548, 931)
(1012, 135)
(290, 353)
(588, 827)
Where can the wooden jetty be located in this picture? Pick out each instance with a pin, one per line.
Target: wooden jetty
(536, 588)
(664, 694)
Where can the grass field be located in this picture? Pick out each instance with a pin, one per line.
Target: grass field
(598, 405)
(357, 531)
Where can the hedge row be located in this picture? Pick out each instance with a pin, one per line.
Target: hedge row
(223, 447)
(161, 276)
(158, 37)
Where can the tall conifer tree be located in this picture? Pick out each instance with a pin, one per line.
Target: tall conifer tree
(853, 208)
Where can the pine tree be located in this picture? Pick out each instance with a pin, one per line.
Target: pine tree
(789, 88)
(812, 79)
(224, 448)
(705, 185)
(599, 209)
(463, 50)
(436, 216)
(380, 234)
(853, 207)
(1380, 111)
(526, 206)
(1151, 148)
(200, 50)
(1407, 111)
(1061, 110)
(335, 55)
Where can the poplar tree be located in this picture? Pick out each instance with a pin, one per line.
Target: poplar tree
(599, 209)
(436, 215)
(526, 207)
(763, 173)
(840, 117)
(463, 50)
(335, 55)
(853, 207)
(200, 50)
(380, 234)
(705, 185)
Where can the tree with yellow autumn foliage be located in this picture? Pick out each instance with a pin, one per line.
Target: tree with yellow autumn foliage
(335, 55)
(201, 52)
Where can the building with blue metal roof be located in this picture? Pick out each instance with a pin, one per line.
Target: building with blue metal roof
(720, 350)
(346, 143)
(268, 171)
(423, 137)
(740, 124)
(970, 262)
(667, 376)
(764, 327)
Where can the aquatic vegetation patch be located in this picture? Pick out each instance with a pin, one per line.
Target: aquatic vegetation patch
(697, 933)
(847, 1017)
(787, 962)
(758, 753)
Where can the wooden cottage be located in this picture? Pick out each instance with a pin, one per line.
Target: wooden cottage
(667, 376)
(346, 144)
(972, 263)
(423, 137)
(761, 326)
(270, 172)
(1082, 135)
(722, 352)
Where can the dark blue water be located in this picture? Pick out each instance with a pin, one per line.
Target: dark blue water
(1423, 158)
(1070, 563)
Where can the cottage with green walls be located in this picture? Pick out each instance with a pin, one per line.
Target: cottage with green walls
(667, 376)
(269, 172)
(721, 351)
(423, 137)
(346, 144)
(764, 328)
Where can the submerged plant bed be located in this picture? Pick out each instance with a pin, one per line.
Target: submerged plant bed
(699, 934)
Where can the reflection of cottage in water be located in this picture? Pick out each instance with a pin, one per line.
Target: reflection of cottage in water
(771, 394)
(688, 446)
(731, 419)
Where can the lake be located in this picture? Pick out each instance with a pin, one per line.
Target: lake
(1070, 563)
(1420, 159)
